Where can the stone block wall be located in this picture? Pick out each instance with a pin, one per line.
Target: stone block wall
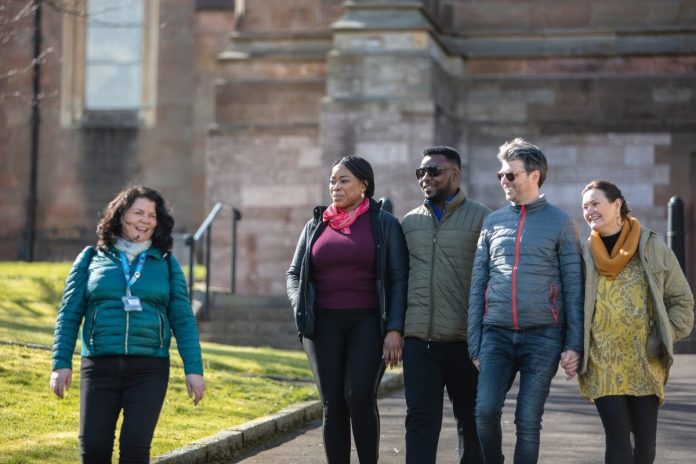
(82, 166)
(396, 82)
(263, 154)
(607, 126)
(391, 140)
(630, 120)
(532, 16)
(272, 177)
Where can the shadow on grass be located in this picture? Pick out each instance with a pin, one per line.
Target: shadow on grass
(272, 362)
(43, 290)
(30, 328)
(51, 290)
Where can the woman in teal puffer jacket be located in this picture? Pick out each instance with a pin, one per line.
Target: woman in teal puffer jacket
(129, 294)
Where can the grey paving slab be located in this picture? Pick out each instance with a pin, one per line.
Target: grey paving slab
(572, 432)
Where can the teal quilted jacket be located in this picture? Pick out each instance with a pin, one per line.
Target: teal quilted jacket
(92, 298)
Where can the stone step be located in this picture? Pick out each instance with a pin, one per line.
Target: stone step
(251, 327)
(221, 299)
(249, 321)
(282, 342)
(249, 313)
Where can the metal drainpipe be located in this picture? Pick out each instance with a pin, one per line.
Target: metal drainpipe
(34, 136)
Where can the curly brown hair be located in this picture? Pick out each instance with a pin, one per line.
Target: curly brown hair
(109, 227)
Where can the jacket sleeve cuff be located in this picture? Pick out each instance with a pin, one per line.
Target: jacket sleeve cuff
(60, 364)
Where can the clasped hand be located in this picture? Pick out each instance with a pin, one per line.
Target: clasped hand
(392, 352)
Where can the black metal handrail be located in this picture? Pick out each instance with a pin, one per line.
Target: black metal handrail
(191, 240)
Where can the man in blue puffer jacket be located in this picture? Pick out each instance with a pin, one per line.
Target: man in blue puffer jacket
(525, 305)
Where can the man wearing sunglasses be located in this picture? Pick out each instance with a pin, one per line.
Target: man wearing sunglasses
(441, 235)
(526, 303)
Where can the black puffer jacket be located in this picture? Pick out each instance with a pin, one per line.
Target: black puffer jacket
(391, 269)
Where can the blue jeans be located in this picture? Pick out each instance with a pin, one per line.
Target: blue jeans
(534, 353)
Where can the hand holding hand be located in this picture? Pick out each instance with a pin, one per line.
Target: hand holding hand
(60, 381)
(195, 385)
(392, 351)
(570, 362)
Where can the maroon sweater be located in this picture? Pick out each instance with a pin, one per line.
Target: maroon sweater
(343, 267)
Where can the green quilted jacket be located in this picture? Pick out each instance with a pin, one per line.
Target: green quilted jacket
(441, 255)
(92, 298)
(672, 299)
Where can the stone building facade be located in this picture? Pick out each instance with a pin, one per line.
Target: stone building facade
(256, 98)
(607, 89)
(84, 156)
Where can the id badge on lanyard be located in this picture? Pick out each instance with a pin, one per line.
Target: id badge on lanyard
(130, 302)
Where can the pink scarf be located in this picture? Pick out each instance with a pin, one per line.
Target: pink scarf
(341, 220)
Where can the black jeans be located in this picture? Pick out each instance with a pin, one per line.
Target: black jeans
(134, 384)
(429, 368)
(345, 354)
(623, 415)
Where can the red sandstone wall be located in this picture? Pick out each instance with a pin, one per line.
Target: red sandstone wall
(80, 169)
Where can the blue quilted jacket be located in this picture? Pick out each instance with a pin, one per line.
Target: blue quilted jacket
(92, 298)
(527, 273)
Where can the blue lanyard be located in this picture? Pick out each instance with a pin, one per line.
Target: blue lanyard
(126, 269)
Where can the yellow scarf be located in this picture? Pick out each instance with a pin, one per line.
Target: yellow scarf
(626, 246)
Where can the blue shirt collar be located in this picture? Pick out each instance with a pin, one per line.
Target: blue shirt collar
(439, 213)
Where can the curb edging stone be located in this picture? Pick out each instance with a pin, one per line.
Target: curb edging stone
(228, 443)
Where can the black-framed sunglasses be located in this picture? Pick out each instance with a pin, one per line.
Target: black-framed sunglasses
(510, 176)
(432, 171)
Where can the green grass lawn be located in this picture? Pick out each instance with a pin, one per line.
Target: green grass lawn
(36, 427)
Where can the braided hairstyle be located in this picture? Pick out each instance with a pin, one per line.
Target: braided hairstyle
(361, 169)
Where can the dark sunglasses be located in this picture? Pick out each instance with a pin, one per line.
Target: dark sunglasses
(432, 171)
(510, 176)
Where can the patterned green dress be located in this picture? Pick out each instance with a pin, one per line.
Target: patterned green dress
(618, 363)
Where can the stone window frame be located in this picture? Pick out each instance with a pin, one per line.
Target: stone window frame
(73, 113)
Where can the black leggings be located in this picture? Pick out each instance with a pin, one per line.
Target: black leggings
(623, 415)
(134, 384)
(345, 354)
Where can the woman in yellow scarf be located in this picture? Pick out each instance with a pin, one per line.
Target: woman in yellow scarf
(637, 304)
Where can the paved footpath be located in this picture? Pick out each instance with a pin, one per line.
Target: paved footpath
(572, 432)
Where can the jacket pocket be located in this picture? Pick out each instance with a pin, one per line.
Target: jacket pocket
(92, 328)
(161, 329)
(485, 301)
(553, 295)
(653, 345)
(148, 330)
